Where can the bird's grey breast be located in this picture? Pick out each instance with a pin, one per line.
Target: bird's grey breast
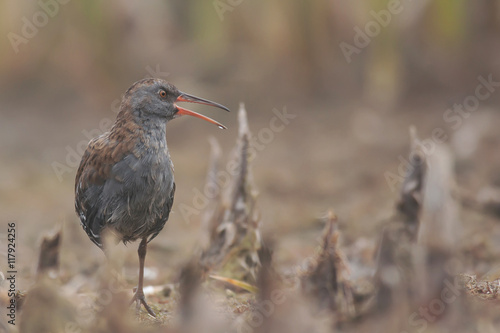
(141, 190)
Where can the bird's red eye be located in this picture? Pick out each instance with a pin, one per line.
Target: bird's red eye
(163, 93)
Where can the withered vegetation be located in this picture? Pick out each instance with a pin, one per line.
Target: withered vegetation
(420, 278)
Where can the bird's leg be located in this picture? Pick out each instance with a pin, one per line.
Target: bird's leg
(139, 297)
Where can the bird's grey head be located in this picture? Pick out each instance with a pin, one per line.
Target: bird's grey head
(152, 98)
(156, 98)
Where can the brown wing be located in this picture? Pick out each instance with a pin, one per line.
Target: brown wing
(95, 169)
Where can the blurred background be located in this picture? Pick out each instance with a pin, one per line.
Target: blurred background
(355, 75)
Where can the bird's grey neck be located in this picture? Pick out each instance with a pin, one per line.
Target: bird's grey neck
(150, 123)
(149, 129)
(154, 133)
(153, 126)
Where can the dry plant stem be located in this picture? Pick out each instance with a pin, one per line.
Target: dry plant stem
(49, 253)
(232, 223)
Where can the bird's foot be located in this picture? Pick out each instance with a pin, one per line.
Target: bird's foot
(139, 299)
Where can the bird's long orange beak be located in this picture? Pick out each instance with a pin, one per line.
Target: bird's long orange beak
(193, 99)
